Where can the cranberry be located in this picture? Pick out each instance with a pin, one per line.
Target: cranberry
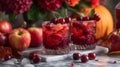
(84, 58)
(61, 20)
(53, 20)
(114, 62)
(32, 55)
(7, 57)
(79, 18)
(85, 18)
(92, 56)
(72, 64)
(36, 59)
(96, 17)
(67, 19)
(76, 56)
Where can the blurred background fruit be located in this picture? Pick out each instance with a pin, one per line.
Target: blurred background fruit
(5, 27)
(36, 36)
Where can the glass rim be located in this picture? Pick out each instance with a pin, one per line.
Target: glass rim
(45, 22)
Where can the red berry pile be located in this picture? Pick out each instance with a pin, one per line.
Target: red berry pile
(84, 58)
(61, 20)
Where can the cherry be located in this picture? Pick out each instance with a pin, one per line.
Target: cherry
(67, 19)
(96, 17)
(61, 20)
(85, 18)
(7, 57)
(79, 18)
(32, 55)
(53, 20)
(84, 58)
(36, 59)
(92, 56)
(76, 56)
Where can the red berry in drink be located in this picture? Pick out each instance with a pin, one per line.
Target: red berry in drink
(92, 56)
(85, 18)
(61, 20)
(67, 20)
(76, 56)
(36, 59)
(7, 57)
(54, 20)
(32, 55)
(96, 17)
(79, 18)
(84, 58)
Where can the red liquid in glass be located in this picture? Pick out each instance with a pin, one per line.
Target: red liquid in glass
(55, 38)
(117, 12)
(83, 35)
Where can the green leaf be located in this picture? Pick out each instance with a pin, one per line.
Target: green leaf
(12, 17)
(35, 13)
(92, 12)
(75, 11)
(56, 14)
(63, 12)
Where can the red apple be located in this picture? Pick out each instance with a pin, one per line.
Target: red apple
(5, 27)
(19, 39)
(3, 39)
(113, 41)
(36, 36)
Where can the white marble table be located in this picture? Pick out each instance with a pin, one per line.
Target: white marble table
(101, 60)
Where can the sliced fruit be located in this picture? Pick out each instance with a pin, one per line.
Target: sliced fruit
(54, 40)
(58, 27)
(77, 32)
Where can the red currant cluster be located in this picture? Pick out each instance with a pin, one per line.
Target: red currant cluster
(84, 58)
(87, 18)
(61, 20)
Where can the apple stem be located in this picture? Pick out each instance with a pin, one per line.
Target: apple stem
(24, 24)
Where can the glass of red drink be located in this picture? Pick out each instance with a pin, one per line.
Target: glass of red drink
(117, 14)
(83, 35)
(55, 38)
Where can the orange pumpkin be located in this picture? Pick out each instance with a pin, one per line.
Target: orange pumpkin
(103, 27)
